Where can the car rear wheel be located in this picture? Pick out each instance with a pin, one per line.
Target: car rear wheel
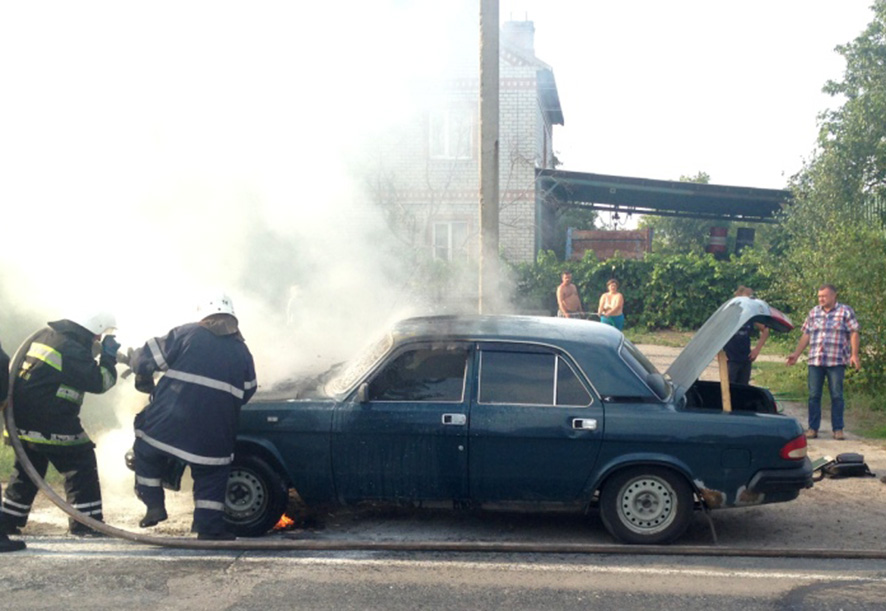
(648, 505)
(256, 497)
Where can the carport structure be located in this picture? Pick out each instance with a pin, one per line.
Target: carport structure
(561, 189)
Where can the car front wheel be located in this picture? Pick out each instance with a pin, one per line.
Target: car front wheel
(647, 505)
(256, 497)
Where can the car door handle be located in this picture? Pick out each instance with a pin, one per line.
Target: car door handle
(455, 419)
(585, 424)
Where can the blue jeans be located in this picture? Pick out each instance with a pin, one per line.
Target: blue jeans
(835, 387)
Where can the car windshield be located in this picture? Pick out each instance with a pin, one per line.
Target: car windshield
(356, 368)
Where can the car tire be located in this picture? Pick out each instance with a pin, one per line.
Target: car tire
(646, 505)
(255, 498)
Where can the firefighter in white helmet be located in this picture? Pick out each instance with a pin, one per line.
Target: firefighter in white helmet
(192, 417)
(49, 387)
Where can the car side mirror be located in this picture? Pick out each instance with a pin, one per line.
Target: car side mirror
(363, 393)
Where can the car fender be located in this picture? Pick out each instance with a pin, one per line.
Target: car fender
(262, 448)
(623, 461)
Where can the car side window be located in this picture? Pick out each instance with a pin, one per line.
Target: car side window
(422, 374)
(529, 378)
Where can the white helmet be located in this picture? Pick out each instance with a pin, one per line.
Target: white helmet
(220, 303)
(98, 323)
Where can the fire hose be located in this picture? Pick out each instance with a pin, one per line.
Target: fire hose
(264, 544)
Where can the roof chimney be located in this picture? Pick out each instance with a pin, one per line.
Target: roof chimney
(520, 34)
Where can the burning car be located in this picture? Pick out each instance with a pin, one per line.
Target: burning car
(524, 412)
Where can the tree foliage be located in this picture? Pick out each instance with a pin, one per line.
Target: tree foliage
(830, 234)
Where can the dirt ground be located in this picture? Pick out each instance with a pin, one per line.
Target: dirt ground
(835, 514)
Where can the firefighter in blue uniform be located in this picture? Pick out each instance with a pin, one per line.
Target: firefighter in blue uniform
(208, 375)
(58, 370)
(6, 544)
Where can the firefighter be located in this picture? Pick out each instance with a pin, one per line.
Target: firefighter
(57, 371)
(6, 544)
(208, 375)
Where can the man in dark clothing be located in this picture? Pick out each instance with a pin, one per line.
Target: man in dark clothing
(739, 354)
(58, 370)
(193, 413)
(6, 545)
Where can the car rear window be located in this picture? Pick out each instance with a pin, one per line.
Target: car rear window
(529, 378)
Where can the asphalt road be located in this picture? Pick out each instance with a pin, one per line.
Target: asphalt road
(61, 574)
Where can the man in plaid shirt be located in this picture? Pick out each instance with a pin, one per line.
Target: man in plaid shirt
(831, 332)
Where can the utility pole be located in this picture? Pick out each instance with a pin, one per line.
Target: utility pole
(489, 143)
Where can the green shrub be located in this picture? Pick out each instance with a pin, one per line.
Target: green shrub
(661, 291)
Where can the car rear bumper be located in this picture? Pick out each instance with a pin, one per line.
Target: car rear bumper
(782, 481)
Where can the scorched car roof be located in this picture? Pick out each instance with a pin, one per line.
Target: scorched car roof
(558, 331)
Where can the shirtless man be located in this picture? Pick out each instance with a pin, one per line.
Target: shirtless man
(567, 298)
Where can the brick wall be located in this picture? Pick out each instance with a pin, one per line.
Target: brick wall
(629, 244)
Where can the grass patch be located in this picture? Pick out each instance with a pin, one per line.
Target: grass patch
(786, 383)
(866, 414)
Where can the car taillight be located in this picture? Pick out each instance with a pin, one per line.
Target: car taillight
(795, 449)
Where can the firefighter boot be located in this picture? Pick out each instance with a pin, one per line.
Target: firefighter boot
(153, 516)
(81, 530)
(8, 545)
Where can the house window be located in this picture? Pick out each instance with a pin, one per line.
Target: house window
(450, 240)
(452, 134)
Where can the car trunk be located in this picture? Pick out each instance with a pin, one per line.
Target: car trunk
(709, 395)
(713, 335)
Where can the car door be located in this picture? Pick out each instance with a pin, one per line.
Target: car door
(535, 426)
(406, 437)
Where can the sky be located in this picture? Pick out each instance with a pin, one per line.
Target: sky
(665, 89)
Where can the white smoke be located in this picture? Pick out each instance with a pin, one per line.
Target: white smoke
(152, 152)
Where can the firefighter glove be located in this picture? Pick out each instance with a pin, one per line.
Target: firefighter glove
(110, 345)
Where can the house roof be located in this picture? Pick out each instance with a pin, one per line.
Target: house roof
(561, 188)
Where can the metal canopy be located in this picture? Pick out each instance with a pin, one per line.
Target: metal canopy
(660, 197)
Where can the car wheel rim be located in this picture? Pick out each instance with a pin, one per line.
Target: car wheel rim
(246, 496)
(647, 505)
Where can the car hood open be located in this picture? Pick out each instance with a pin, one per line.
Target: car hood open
(717, 330)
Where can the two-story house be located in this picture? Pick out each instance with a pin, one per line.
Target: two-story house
(427, 180)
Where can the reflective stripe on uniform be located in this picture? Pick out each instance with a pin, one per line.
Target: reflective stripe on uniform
(8, 506)
(108, 380)
(204, 381)
(185, 456)
(69, 394)
(82, 506)
(48, 355)
(157, 354)
(54, 439)
(250, 384)
(18, 514)
(214, 505)
(92, 508)
(150, 482)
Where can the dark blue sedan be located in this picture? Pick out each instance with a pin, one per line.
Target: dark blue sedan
(523, 412)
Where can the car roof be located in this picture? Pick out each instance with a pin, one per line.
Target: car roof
(563, 332)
